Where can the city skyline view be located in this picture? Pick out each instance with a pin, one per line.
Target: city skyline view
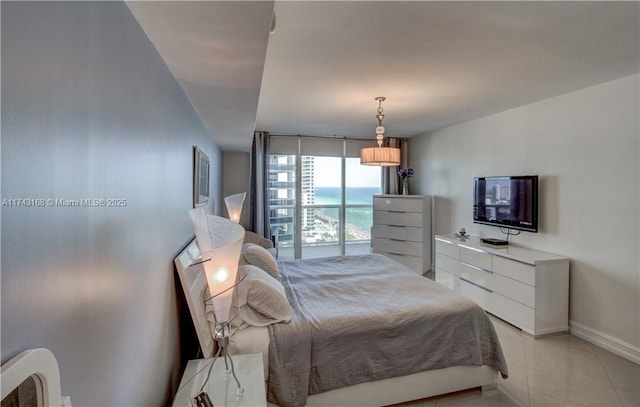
(320, 187)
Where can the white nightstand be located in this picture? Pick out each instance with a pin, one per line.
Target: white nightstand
(221, 390)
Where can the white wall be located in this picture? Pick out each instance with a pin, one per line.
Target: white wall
(585, 148)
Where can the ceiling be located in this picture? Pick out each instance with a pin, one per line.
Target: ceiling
(216, 51)
(437, 63)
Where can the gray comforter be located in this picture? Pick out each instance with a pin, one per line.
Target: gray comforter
(364, 318)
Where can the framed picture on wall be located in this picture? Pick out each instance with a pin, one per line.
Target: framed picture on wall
(200, 178)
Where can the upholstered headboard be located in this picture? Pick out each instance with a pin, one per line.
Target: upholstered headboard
(194, 284)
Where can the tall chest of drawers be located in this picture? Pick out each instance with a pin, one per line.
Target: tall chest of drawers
(527, 288)
(402, 229)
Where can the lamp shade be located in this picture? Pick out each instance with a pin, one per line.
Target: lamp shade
(380, 156)
(220, 243)
(234, 206)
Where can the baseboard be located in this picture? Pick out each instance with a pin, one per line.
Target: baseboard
(608, 342)
(543, 333)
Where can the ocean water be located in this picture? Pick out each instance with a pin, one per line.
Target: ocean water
(363, 195)
(361, 218)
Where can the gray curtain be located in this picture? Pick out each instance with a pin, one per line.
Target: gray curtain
(259, 205)
(390, 180)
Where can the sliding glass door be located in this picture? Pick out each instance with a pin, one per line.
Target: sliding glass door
(321, 206)
(320, 203)
(361, 183)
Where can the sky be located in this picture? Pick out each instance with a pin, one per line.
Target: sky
(327, 173)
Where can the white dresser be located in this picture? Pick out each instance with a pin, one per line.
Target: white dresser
(527, 288)
(402, 229)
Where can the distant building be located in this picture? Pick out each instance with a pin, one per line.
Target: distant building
(308, 190)
(281, 192)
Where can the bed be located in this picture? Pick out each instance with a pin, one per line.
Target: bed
(365, 331)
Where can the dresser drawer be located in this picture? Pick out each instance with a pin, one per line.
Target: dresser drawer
(447, 263)
(412, 262)
(499, 305)
(477, 294)
(449, 249)
(512, 311)
(447, 279)
(476, 275)
(398, 204)
(397, 218)
(516, 290)
(515, 270)
(397, 246)
(475, 257)
(398, 232)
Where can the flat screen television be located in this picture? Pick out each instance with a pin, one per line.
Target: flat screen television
(508, 202)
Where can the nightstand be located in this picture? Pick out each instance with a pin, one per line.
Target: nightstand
(221, 390)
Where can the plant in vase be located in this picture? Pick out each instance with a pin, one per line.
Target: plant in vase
(405, 174)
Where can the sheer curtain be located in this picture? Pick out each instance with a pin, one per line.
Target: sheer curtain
(390, 181)
(259, 207)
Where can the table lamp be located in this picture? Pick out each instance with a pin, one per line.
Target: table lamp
(220, 243)
(234, 205)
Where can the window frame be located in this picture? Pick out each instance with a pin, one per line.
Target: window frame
(349, 146)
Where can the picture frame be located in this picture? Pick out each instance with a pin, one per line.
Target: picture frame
(201, 166)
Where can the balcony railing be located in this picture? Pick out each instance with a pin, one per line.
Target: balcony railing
(324, 250)
(321, 228)
(282, 167)
(280, 220)
(281, 184)
(273, 202)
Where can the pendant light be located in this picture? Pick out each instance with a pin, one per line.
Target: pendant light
(380, 156)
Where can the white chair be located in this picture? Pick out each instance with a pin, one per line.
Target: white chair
(41, 366)
(251, 237)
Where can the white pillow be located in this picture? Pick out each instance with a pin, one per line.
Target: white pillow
(260, 257)
(242, 261)
(260, 298)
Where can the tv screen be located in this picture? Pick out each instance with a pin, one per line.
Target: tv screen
(509, 202)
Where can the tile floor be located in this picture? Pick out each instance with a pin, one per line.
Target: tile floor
(555, 371)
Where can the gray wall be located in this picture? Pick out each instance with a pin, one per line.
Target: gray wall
(585, 148)
(236, 167)
(89, 110)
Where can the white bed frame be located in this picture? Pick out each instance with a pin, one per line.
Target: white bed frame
(42, 366)
(379, 393)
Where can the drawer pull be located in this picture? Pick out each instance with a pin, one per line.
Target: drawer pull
(397, 226)
(397, 240)
(473, 248)
(395, 211)
(397, 254)
(475, 284)
(476, 267)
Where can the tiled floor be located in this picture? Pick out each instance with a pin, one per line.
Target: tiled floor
(555, 371)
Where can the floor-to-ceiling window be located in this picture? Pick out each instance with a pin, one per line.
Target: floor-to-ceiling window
(361, 183)
(320, 197)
